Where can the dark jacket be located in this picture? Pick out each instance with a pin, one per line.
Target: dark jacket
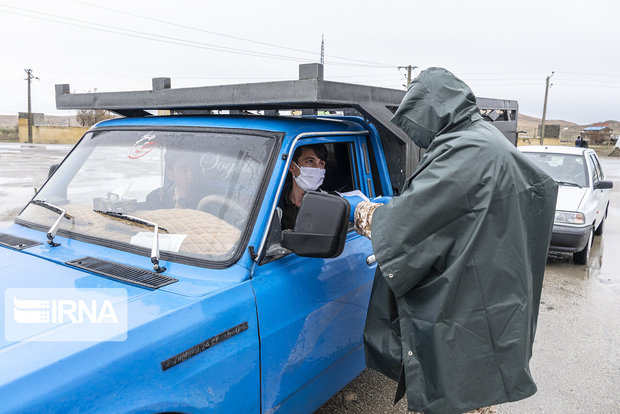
(163, 198)
(461, 255)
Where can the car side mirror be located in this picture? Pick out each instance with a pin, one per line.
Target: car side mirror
(603, 185)
(52, 169)
(321, 226)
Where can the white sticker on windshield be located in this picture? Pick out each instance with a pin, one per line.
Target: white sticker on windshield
(168, 242)
(143, 146)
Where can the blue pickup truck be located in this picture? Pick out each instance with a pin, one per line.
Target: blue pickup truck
(207, 306)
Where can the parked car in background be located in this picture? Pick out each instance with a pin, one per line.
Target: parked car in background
(583, 196)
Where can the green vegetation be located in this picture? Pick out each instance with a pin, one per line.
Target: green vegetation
(89, 117)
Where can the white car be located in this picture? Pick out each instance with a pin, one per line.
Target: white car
(583, 196)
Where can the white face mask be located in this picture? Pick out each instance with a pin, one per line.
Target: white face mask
(309, 179)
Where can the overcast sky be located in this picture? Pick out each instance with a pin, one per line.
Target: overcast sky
(502, 49)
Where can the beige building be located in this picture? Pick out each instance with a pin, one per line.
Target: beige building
(46, 134)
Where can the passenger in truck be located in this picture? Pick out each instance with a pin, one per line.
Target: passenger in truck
(307, 171)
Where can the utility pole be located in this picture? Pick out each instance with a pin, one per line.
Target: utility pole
(409, 69)
(542, 127)
(322, 49)
(29, 79)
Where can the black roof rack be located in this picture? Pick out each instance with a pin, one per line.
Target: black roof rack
(310, 93)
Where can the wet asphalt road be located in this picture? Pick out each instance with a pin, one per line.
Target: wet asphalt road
(576, 361)
(22, 168)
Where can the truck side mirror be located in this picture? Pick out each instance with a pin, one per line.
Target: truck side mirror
(321, 226)
(603, 185)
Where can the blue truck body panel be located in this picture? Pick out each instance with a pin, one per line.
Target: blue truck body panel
(304, 317)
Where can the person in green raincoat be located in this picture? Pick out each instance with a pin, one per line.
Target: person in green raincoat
(461, 254)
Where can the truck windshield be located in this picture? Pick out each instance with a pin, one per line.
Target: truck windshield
(200, 186)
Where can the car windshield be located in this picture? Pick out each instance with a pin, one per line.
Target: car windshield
(566, 169)
(200, 188)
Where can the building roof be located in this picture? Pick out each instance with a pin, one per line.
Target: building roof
(595, 128)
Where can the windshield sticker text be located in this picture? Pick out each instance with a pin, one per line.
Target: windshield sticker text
(226, 166)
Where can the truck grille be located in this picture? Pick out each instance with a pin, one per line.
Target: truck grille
(17, 243)
(125, 273)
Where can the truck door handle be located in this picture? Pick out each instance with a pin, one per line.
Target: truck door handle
(371, 259)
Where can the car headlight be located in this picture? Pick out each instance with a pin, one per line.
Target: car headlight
(570, 217)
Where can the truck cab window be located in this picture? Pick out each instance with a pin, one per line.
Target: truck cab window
(340, 176)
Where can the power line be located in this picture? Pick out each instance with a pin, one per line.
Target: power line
(159, 38)
(590, 85)
(124, 12)
(156, 37)
(593, 74)
(145, 35)
(498, 73)
(601, 81)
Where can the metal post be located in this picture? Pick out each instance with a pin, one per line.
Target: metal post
(409, 69)
(408, 76)
(542, 127)
(29, 78)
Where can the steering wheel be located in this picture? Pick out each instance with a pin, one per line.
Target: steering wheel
(213, 203)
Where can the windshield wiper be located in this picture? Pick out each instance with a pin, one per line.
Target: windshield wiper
(568, 184)
(51, 233)
(142, 222)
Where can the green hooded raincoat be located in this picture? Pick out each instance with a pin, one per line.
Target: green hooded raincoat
(461, 255)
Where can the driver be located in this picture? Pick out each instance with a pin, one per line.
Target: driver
(571, 167)
(307, 171)
(180, 190)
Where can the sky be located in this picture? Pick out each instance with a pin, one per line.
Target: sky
(500, 49)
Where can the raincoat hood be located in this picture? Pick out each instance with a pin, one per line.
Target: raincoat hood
(436, 103)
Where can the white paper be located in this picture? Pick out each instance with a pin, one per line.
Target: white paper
(168, 242)
(353, 193)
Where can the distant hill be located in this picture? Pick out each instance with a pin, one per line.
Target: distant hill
(568, 130)
(11, 121)
(8, 121)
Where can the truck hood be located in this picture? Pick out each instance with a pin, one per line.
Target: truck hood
(157, 321)
(41, 267)
(569, 198)
(23, 272)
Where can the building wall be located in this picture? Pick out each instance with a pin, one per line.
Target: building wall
(536, 141)
(551, 130)
(596, 137)
(49, 134)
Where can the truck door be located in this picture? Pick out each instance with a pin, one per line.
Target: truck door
(312, 311)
